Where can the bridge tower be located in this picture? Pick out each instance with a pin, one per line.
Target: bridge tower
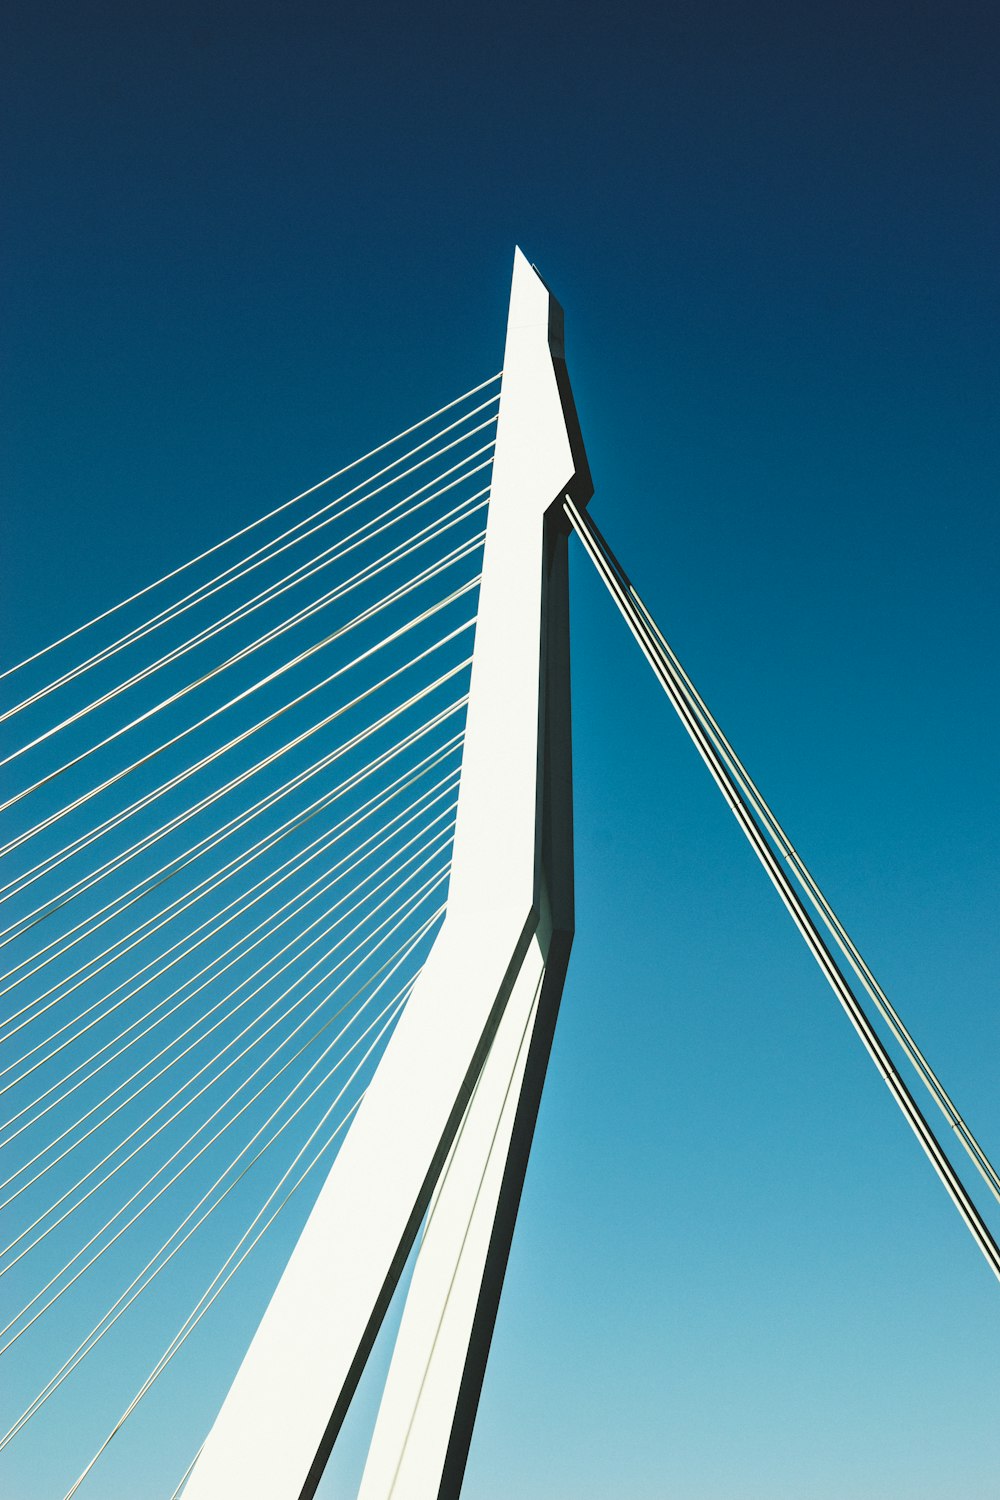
(440, 1144)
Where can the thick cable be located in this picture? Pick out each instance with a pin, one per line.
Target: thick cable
(822, 905)
(611, 573)
(812, 889)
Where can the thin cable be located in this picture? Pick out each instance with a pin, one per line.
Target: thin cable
(128, 942)
(52, 862)
(41, 1062)
(97, 1332)
(442, 789)
(140, 934)
(125, 1300)
(203, 1125)
(265, 554)
(441, 1184)
(212, 979)
(427, 575)
(121, 1304)
(413, 904)
(239, 739)
(397, 513)
(428, 889)
(194, 852)
(326, 560)
(397, 554)
(220, 1282)
(96, 920)
(231, 1265)
(298, 574)
(244, 530)
(175, 1494)
(173, 866)
(391, 967)
(306, 734)
(224, 1004)
(611, 573)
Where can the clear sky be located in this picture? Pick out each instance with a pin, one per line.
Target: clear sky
(245, 242)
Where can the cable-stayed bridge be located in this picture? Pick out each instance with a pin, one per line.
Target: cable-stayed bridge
(287, 903)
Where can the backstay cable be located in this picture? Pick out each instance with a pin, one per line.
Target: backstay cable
(662, 661)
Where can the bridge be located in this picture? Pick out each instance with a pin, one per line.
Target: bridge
(287, 915)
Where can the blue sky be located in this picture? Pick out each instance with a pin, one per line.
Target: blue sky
(249, 242)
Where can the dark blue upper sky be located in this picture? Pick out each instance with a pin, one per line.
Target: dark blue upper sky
(244, 243)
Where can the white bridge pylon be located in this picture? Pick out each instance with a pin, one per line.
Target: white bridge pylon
(443, 1133)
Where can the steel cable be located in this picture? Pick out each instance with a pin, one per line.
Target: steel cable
(217, 546)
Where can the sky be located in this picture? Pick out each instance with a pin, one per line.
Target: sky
(246, 243)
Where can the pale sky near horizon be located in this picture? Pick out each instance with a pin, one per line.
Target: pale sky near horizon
(249, 241)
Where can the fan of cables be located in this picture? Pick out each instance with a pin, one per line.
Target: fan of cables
(226, 833)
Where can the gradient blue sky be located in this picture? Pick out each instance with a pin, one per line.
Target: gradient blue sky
(244, 243)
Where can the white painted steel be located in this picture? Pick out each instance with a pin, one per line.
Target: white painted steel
(273, 1434)
(425, 1422)
(416, 1419)
(414, 1427)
